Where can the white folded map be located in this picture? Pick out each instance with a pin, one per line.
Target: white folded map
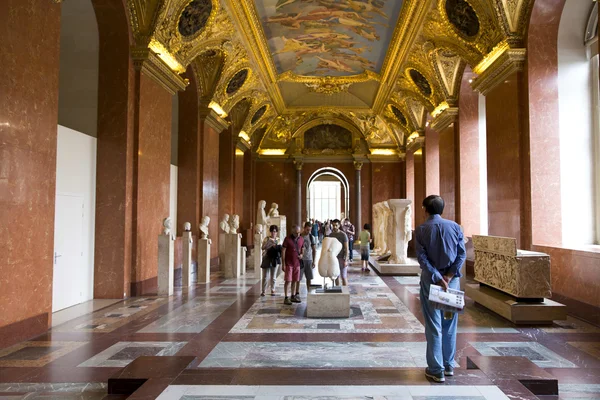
(452, 297)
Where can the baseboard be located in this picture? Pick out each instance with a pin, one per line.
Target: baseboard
(576, 308)
(23, 330)
(145, 287)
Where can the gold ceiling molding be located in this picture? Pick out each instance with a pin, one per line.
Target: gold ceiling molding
(207, 69)
(143, 15)
(444, 119)
(375, 131)
(449, 68)
(514, 17)
(328, 85)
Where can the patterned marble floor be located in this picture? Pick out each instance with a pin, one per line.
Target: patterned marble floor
(253, 347)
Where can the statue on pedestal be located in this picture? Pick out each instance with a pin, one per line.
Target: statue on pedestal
(168, 227)
(187, 227)
(234, 224)
(224, 224)
(204, 227)
(274, 211)
(261, 216)
(329, 266)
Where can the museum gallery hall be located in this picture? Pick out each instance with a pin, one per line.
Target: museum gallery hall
(155, 155)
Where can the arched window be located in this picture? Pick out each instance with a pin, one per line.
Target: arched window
(579, 123)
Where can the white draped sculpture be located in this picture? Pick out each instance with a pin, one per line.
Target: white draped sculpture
(261, 216)
(203, 227)
(224, 224)
(400, 230)
(234, 224)
(329, 266)
(274, 211)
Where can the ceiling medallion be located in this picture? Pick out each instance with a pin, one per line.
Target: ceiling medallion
(258, 114)
(237, 81)
(398, 114)
(463, 17)
(421, 82)
(194, 17)
(328, 88)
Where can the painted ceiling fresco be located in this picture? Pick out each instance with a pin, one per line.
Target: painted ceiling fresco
(328, 37)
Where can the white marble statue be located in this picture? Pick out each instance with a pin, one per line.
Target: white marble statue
(234, 224)
(399, 230)
(204, 227)
(274, 211)
(168, 226)
(259, 229)
(329, 266)
(261, 216)
(187, 227)
(224, 224)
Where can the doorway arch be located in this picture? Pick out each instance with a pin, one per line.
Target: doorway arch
(323, 175)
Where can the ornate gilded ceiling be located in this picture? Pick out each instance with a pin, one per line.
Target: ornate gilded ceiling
(379, 69)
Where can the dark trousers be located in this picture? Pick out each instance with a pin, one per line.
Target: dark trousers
(351, 248)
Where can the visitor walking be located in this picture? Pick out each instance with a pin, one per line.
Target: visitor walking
(343, 254)
(441, 254)
(291, 255)
(327, 228)
(309, 253)
(350, 231)
(314, 230)
(271, 258)
(365, 247)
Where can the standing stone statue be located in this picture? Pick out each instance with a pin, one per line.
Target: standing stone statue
(400, 230)
(261, 216)
(168, 227)
(224, 224)
(329, 266)
(274, 211)
(187, 245)
(234, 224)
(204, 227)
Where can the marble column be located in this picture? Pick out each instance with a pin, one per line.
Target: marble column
(30, 32)
(299, 165)
(358, 197)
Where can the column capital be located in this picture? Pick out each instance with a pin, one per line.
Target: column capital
(358, 165)
(498, 65)
(146, 61)
(212, 119)
(299, 163)
(444, 119)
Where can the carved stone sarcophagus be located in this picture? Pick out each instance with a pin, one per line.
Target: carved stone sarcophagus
(520, 273)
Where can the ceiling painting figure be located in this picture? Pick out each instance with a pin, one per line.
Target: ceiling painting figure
(328, 37)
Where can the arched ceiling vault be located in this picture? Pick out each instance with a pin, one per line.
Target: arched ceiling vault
(377, 67)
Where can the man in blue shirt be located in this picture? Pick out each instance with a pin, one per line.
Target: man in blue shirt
(441, 254)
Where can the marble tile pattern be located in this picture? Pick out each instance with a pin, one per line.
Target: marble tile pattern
(98, 387)
(275, 392)
(111, 318)
(374, 308)
(316, 355)
(122, 353)
(592, 348)
(193, 317)
(520, 273)
(36, 354)
(535, 352)
(571, 325)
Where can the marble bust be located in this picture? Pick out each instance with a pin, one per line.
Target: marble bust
(167, 226)
(274, 211)
(204, 227)
(224, 224)
(234, 224)
(187, 227)
(261, 216)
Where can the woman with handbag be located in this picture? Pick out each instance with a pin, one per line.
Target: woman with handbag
(271, 256)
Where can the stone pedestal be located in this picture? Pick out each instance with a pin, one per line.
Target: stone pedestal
(222, 236)
(243, 257)
(522, 274)
(257, 253)
(328, 305)
(410, 268)
(203, 274)
(281, 224)
(166, 259)
(231, 255)
(186, 269)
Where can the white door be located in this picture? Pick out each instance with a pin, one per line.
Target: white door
(68, 252)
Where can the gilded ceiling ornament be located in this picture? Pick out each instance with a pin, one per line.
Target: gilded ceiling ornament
(463, 17)
(258, 114)
(421, 82)
(237, 81)
(194, 17)
(398, 114)
(328, 88)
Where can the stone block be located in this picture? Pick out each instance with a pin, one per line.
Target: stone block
(166, 260)
(328, 305)
(203, 274)
(186, 269)
(410, 268)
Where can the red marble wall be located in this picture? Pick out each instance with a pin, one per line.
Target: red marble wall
(366, 182)
(409, 165)
(468, 152)
(544, 132)
(275, 183)
(447, 172)
(239, 188)
(153, 175)
(386, 181)
(431, 153)
(504, 161)
(226, 173)
(250, 205)
(30, 32)
(115, 148)
(419, 175)
(210, 184)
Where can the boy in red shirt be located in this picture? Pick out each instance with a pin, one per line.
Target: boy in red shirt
(291, 255)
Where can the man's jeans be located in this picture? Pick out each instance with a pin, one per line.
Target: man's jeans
(439, 332)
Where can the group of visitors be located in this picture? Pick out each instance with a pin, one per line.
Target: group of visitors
(440, 252)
